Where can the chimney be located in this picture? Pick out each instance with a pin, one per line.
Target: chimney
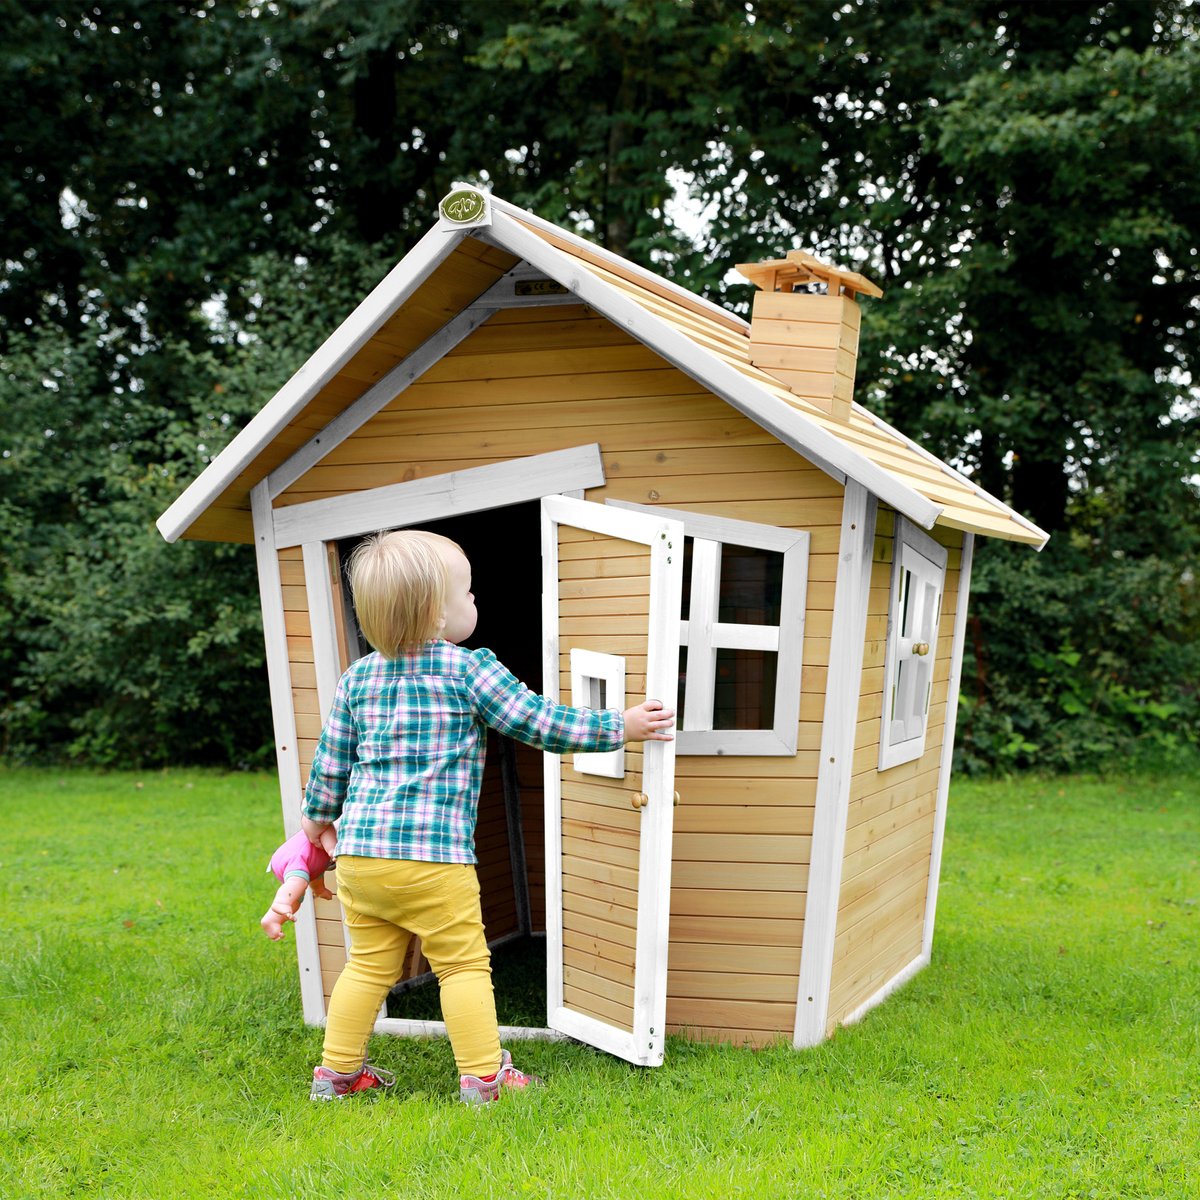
(807, 340)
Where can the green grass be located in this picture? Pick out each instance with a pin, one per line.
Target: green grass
(153, 1047)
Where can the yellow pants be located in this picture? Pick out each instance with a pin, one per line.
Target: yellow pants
(386, 901)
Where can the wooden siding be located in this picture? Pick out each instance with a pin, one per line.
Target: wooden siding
(600, 830)
(531, 381)
(889, 829)
(331, 941)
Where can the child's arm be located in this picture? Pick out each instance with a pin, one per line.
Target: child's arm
(508, 706)
(283, 907)
(329, 774)
(317, 832)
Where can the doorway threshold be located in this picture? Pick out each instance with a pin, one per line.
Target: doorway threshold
(403, 1027)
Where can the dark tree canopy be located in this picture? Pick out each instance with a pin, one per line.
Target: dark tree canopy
(194, 193)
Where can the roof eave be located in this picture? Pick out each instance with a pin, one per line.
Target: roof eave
(329, 358)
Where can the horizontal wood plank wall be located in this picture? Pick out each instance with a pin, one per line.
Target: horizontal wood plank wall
(532, 381)
(331, 939)
(491, 849)
(600, 829)
(889, 831)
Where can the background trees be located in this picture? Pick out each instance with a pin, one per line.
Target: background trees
(194, 193)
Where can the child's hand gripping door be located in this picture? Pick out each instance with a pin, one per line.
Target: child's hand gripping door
(611, 587)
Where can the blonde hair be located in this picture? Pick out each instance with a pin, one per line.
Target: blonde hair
(398, 581)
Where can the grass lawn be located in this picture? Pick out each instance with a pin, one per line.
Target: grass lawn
(152, 1044)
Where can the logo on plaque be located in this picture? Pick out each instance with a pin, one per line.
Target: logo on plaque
(464, 206)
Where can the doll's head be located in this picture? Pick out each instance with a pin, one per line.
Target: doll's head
(410, 586)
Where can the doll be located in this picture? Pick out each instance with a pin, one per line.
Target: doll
(300, 865)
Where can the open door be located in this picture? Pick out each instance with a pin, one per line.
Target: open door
(610, 594)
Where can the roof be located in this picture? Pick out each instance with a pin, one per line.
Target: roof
(393, 334)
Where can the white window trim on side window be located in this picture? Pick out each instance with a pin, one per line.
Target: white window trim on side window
(903, 740)
(704, 632)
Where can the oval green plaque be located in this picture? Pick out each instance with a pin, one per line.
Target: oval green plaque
(463, 207)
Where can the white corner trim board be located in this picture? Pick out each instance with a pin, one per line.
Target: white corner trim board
(287, 754)
(834, 772)
(943, 792)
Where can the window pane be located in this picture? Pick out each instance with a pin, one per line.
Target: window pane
(745, 690)
(685, 607)
(751, 587)
(681, 698)
(905, 604)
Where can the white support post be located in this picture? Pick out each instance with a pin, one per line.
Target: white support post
(323, 621)
(834, 771)
(947, 762)
(287, 754)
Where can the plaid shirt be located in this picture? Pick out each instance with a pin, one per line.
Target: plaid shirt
(400, 759)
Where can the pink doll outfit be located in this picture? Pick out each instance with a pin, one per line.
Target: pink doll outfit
(300, 858)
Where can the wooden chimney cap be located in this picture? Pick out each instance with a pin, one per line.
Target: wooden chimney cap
(799, 268)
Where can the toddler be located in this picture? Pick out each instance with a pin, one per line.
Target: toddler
(400, 762)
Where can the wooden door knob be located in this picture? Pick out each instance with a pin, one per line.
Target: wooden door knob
(639, 800)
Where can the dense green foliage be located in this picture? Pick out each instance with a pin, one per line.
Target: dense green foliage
(153, 1044)
(195, 193)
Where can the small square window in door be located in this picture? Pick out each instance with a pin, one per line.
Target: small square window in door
(597, 682)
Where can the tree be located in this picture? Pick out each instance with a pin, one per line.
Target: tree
(1016, 176)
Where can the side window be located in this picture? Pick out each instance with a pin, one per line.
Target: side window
(741, 635)
(914, 611)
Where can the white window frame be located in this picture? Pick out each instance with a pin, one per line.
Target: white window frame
(590, 669)
(902, 736)
(704, 635)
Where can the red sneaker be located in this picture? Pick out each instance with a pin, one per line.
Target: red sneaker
(332, 1085)
(472, 1089)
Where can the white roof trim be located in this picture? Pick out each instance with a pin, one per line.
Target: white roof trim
(622, 265)
(392, 291)
(771, 413)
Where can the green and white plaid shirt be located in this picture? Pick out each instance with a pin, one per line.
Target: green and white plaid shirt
(400, 759)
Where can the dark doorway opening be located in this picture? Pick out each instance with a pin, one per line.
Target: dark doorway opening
(504, 549)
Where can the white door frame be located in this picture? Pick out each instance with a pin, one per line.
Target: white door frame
(312, 526)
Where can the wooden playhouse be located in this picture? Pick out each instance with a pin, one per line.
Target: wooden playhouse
(658, 499)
